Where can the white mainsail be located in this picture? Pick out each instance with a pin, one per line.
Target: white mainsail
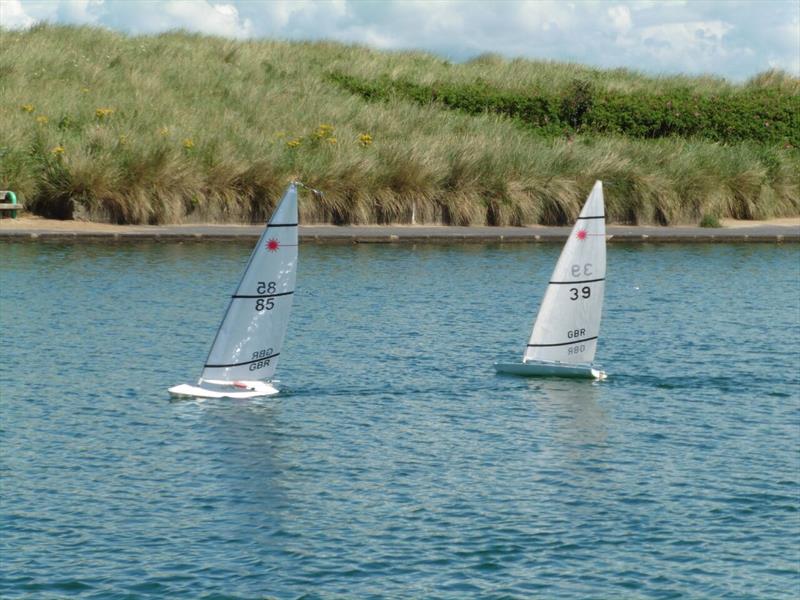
(249, 339)
(568, 322)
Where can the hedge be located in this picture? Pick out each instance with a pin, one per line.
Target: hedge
(764, 115)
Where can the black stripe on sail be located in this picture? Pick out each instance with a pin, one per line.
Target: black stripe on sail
(262, 295)
(563, 344)
(584, 281)
(281, 224)
(594, 217)
(249, 362)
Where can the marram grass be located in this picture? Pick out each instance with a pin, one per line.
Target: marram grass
(180, 127)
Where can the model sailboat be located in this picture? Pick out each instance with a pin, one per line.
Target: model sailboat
(564, 338)
(245, 351)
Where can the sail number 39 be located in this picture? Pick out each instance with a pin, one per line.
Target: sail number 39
(578, 271)
(584, 292)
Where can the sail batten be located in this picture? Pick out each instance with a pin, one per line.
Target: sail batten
(241, 296)
(563, 343)
(577, 281)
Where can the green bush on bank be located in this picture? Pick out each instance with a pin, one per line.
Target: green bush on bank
(710, 221)
(765, 115)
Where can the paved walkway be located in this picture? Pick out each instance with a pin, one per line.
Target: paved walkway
(38, 229)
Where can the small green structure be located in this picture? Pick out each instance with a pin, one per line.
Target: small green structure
(12, 207)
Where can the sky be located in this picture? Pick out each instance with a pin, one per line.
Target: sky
(729, 38)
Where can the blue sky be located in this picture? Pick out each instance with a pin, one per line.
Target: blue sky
(729, 38)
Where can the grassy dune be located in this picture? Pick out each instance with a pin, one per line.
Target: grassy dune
(180, 127)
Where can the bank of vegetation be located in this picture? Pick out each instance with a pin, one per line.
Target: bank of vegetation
(180, 127)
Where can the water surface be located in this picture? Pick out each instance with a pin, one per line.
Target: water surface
(398, 464)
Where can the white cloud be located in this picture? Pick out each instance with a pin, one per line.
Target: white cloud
(685, 45)
(295, 18)
(83, 12)
(620, 18)
(211, 18)
(678, 34)
(543, 16)
(206, 17)
(13, 16)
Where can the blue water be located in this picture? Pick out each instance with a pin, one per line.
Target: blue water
(398, 464)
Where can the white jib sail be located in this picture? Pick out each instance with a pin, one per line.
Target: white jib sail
(250, 336)
(568, 322)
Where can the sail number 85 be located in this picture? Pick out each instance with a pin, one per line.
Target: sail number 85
(264, 304)
(584, 292)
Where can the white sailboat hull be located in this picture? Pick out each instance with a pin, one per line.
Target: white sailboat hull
(243, 389)
(543, 369)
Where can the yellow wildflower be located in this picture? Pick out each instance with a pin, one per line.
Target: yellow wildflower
(41, 120)
(188, 143)
(365, 139)
(332, 141)
(293, 143)
(58, 150)
(102, 113)
(324, 131)
(28, 108)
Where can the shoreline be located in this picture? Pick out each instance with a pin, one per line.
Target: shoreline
(29, 228)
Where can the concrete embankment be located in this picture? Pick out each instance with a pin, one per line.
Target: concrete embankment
(782, 230)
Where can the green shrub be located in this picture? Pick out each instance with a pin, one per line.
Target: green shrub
(768, 115)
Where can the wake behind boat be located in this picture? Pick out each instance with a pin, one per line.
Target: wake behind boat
(244, 353)
(564, 337)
